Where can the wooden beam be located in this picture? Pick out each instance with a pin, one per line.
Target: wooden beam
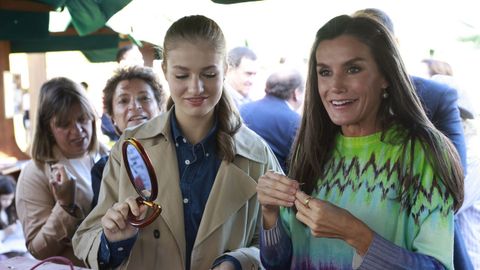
(25, 5)
(7, 137)
(70, 31)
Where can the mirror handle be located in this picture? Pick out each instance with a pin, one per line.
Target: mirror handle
(140, 223)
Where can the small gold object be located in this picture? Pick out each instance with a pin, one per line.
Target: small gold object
(307, 200)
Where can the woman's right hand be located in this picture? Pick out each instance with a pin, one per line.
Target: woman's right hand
(115, 221)
(63, 184)
(275, 190)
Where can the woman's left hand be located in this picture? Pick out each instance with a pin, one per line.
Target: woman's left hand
(327, 220)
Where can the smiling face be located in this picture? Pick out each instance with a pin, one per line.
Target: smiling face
(73, 137)
(195, 75)
(350, 84)
(133, 103)
(242, 77)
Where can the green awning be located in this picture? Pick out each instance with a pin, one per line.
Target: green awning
(28, 32)
(91, 15)
(65, 43)
(88, 15)
(101, 55)
(21, 24)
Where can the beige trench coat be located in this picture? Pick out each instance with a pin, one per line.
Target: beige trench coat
(230, 221)
(47, 226)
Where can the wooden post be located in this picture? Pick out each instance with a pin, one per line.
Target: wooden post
(7, 137)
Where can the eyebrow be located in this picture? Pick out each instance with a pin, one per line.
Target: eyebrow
(349, 62)
(124, 93)
(204, 68)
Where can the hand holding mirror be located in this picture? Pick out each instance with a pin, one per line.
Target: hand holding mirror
(142, 176)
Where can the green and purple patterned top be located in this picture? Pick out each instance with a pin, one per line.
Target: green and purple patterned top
(363, 177)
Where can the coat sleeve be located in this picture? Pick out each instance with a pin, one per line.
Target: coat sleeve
(47, 226)
(86, 241)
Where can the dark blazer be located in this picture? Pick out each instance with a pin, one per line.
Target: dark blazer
(272, 119)
(440, 103)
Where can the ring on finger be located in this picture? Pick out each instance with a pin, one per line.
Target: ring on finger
(307, 201)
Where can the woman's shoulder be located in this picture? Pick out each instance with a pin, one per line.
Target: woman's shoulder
(251, 145)
(33, 177)
(32, 168)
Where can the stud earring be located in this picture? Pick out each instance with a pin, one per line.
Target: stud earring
(385, 94)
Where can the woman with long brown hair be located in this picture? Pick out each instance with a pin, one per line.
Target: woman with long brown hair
(376, 185)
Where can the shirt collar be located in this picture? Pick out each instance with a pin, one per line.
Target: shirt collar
(177, 134)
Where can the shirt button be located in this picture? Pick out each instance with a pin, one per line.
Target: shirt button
(176, 144)
(156, 233)
(184, 140)
(187, 162)
(207, 154)
(120, 249)
(185, 200)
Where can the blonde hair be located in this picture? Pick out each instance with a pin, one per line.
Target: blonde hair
(200, 28)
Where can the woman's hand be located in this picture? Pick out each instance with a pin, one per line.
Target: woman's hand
(115, 223)
(63, 185)
(327, 220)
(275, 190)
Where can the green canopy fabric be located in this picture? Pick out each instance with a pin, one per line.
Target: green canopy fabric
(27, 31)
(88, 15)
(19, 24)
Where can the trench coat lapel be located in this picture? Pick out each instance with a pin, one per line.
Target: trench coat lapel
(232, 188)
(164, 161)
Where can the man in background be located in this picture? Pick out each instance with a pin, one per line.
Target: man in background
(242, 69)
(274, 117)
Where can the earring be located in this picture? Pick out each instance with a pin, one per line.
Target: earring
(385, 94)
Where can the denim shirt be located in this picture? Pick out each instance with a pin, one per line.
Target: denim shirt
(198, 165)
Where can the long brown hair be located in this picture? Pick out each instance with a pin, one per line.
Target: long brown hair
(316, 137)
(200, 28)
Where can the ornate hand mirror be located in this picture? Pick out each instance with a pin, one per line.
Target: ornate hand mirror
(143, 178)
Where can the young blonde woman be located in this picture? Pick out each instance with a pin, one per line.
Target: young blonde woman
(207, 165)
